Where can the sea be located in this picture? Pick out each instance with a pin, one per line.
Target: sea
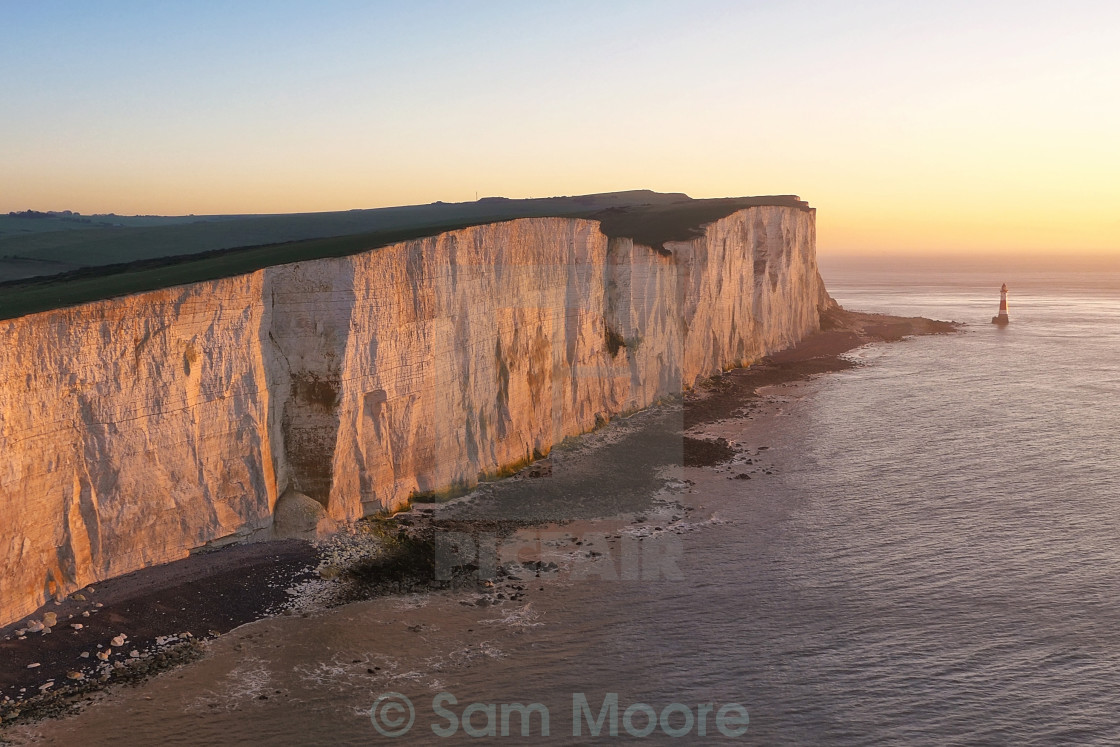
(927, 552)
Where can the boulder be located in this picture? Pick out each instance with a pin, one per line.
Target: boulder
(299, 516)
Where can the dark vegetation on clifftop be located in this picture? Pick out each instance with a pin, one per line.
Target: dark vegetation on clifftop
(51, 270)
(653, 225)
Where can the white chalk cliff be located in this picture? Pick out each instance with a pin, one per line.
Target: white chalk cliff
(137, 429)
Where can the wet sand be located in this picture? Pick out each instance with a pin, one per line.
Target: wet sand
(166, 611)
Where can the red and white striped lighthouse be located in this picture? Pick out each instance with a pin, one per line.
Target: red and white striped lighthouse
(1001, 317)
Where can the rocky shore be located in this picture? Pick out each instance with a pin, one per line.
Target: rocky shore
(129, 628)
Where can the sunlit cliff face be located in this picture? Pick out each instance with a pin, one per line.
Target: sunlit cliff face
(137, 429)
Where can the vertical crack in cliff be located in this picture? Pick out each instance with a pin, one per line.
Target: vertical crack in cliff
(311, 321)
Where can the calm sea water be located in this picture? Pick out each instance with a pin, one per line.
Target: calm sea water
(935, 559)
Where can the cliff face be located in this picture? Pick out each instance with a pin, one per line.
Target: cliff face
(137, 429)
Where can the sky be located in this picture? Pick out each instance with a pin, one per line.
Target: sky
(950, 128)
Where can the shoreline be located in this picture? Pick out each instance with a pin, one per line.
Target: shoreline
(167, 612)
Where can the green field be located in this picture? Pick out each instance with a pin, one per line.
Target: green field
(50, 245)
(100, 263)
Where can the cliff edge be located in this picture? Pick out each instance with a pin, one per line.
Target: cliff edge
(138, 429)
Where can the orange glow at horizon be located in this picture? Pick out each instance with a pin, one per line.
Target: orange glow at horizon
(952, 129)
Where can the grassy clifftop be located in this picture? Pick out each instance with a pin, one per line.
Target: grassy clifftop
(71, 267)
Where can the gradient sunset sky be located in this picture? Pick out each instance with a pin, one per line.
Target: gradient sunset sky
(947, 127)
